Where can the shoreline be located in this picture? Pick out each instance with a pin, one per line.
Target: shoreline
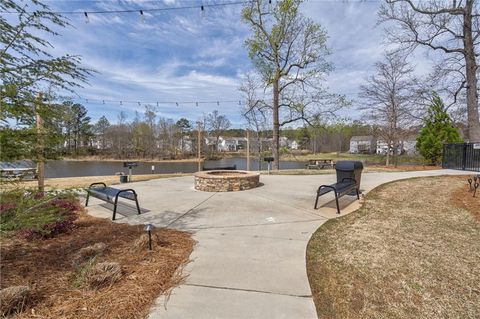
(144, 160)
(85, 181)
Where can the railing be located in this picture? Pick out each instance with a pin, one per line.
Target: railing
(463, 156)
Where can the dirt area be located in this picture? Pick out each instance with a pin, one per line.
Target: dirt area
(58, 280)
(462, 197)
(85, 181)
(409, 252)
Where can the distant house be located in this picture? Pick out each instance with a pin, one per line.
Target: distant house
(294, 145)
(405, 146)
(227, 144)
(409, 145)
(363, 144)
(283, 141)
(234, 144)
(185, 144)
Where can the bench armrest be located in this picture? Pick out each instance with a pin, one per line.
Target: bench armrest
(326, 186)
(125, 191)
(101, 183)
(349, 178)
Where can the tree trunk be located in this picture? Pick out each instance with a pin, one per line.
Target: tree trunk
(40, 147)
(276, 126)
(473, 123)
(388, 154)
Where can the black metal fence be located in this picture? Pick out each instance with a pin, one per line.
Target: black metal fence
(464, 156)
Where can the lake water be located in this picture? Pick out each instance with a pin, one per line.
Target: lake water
(99, 168)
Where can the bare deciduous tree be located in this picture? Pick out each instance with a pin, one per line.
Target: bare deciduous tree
(255, 112)
(449, 27)
(216, 124)
(289, 51)
(387, 95)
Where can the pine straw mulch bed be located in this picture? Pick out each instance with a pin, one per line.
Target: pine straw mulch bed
(48, 267)
(409, 252)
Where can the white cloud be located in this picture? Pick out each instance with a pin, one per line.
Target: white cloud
(178, 55)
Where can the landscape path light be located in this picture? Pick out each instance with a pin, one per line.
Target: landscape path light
(149, 228)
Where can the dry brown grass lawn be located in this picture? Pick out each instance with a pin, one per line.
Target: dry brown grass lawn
(367, 169)
(409, 252)
(60, 287)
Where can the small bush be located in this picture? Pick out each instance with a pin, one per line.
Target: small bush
(34, 215)
(102, 274)
(87, 253)
(14, 299)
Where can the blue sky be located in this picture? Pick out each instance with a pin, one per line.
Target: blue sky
(180, 56)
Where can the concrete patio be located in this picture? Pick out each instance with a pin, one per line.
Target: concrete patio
(249, 261)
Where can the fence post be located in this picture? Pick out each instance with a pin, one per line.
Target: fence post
(444, 160)
(464, 158)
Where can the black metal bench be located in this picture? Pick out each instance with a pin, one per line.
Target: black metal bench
(111, 195)
(347, 182)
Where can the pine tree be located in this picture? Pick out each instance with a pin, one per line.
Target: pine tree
(438, 129)
(29, 76)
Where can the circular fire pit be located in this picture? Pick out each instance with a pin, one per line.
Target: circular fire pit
(226, 181)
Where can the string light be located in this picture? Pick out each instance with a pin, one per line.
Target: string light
(87, 19)
(142, 19)
(140, 102)
(202, 7)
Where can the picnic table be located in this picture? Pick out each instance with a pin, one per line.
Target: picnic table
(320, 164)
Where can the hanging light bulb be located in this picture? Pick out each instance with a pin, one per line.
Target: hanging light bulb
(270, 6)
(121, 103)
(218, 103)
(202, 11)
(176, 103)
(87, 19)
(142, 16)
(103, 101)
(196, 103)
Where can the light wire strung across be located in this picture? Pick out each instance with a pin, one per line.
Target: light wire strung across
(201, 6)
(157, 103)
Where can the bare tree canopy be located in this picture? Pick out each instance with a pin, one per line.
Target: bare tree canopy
(388, 96)
(216, 123)
(451, 28)
(289, 52)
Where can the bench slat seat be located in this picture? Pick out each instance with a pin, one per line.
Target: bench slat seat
(111, 195)
(345, 187)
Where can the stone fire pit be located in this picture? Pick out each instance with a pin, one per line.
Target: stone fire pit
(226, 181)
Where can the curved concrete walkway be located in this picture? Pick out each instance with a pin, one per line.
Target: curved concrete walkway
(249, 261)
